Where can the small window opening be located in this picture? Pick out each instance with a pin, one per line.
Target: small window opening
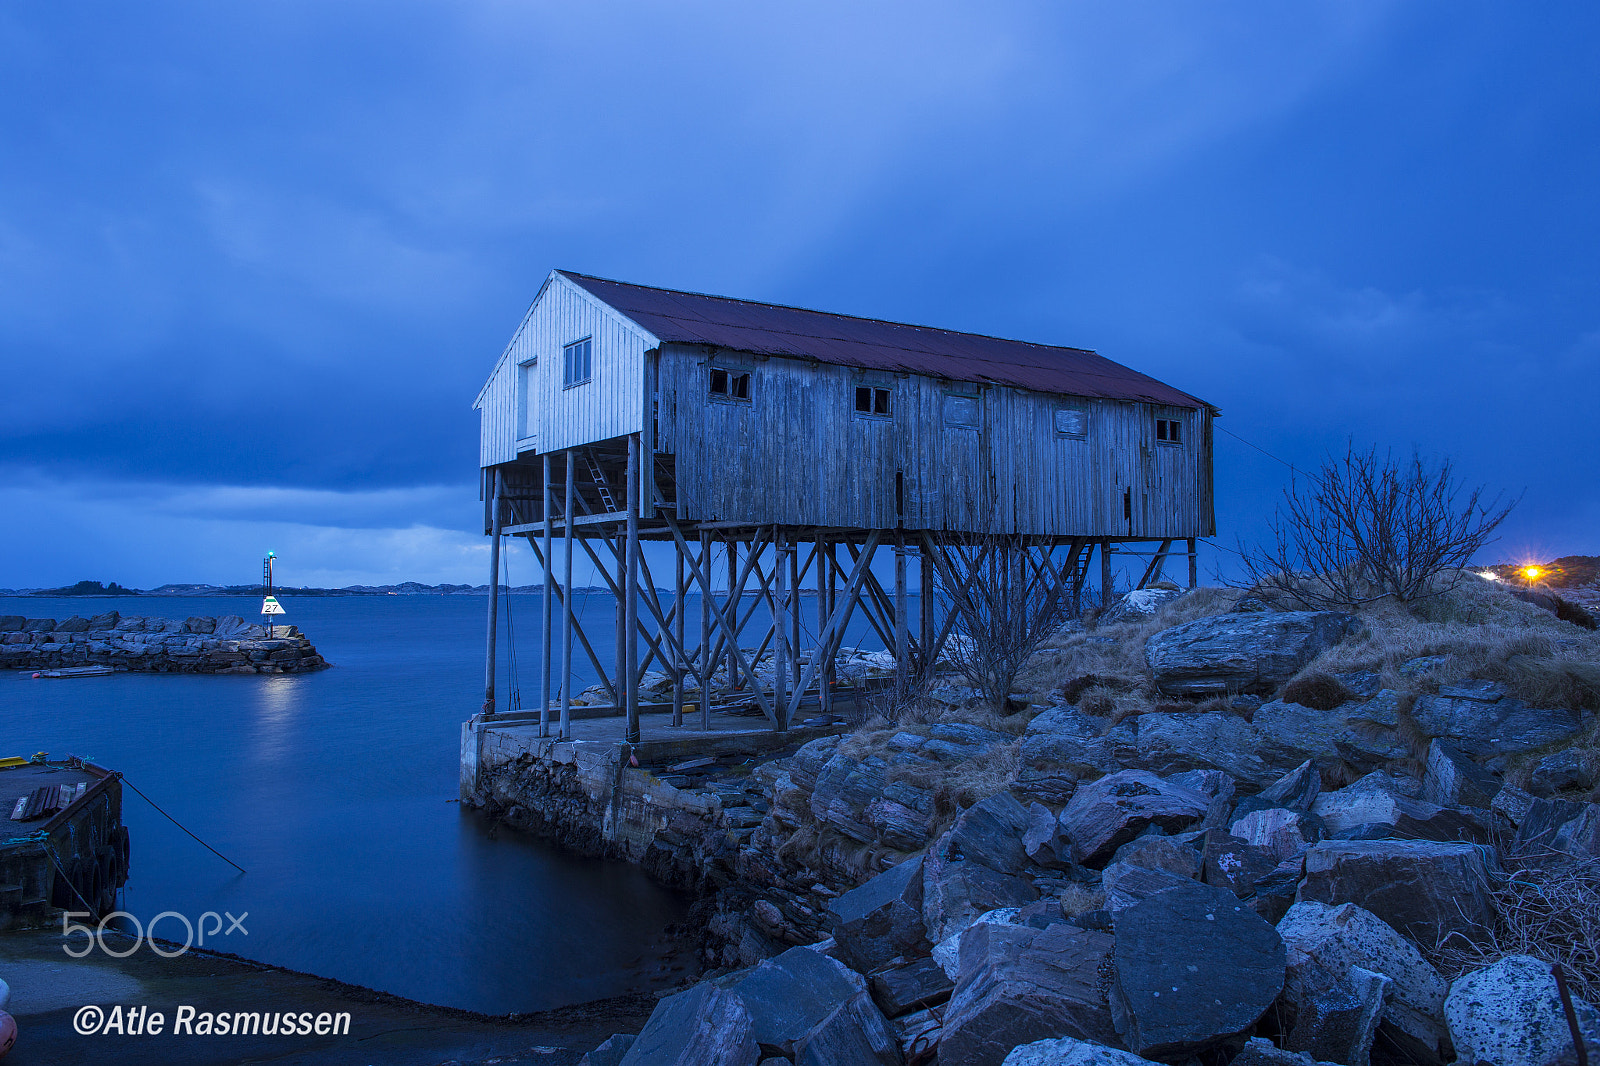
(1168, 430)
(729, 384)
(577, 362)
(872, 401)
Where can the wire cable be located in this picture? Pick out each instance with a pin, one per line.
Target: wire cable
(180, 825)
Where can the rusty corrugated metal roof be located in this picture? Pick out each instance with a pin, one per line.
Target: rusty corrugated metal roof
(872, 344)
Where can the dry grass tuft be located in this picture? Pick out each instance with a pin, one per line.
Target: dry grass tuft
(1076, 900)
(1549, 911)
(1317, 690)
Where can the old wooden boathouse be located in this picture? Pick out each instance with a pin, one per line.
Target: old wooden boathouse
(790, 446)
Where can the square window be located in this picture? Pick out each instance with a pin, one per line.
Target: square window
(729, 385)
(1169, 430)
(576, 362)
(961, 411)
(863, 399)
(741, 386)
(1072, 422)
(719, 382)
(1161, 429)
(872, 400)
(880, 401)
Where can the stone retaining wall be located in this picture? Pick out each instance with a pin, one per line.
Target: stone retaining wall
(198, 645)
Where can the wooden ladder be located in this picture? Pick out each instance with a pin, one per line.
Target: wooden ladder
(598, 476)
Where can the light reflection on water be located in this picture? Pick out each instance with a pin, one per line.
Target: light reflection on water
(333, 790)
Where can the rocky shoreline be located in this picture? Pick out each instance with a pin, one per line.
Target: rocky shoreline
(197, 645)
(1293, 867)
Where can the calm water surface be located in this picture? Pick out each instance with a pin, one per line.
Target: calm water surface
(333, 790)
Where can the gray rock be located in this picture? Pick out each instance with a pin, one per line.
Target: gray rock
(1423, 889)
(1410, 819)
(705, 1024)
(1453, 780)
(1241, 652)
(1294, 791)
(1338, 1014)
(1105, 814)
(1291, 733)
(1580, 837)
(39, 625)
(790, 994)
(1283, 832)
(1161, 853)
(911, 986)
(1363, 683)
(1138, 606)
(609, 1053)
(947, 953)
(1172, 1003)
(1481, 691)
(1043, 840)
(1541, 824)
(1172, 743)
(845, 788)
(1512, 804)
(1562, 771)
(1065, 1051)
(1232, 864)
(1218, 787)
(1262, 1052)
(1510, 1014)
(1065, 743)
(11, 623)
(200, 624)
(1479, 730)
(1126, 884)
(955, 893)
(854, 1032)
(1019, 985)
(881, 919)
(73, 625)
(990, 833)
(1327, 939)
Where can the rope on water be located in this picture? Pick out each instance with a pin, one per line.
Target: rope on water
(180, 825)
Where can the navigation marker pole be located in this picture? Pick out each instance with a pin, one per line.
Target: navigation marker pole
(269, 603)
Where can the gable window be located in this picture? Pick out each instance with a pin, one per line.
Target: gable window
(730, 385)
(1072, 422)
(871, 400)
(577, 362)
(961, 411)
(1169, 431)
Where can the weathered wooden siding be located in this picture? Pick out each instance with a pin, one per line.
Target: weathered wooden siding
(525, 400)
(799, 454)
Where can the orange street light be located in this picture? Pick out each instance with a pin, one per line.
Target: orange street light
(1531, 572)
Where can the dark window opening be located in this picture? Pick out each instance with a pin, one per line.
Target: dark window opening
(577, 362)
(872, 401)
(1169, 430)
(729, 384)
(1127, 504)
(899, 493)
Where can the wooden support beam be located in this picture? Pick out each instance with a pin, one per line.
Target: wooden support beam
(1105, 573)
(679, 665)
(494, 597)
(1194, 565)
(833, 632)
(902, 631)
(780, 626)
(547, 614)
(1158, 564)
(825, 681)
(566, 609)
(705, 633)
(631, 607)
(576, 627)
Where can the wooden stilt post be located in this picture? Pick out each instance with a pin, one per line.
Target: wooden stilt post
(679, 666)
(566, 608)
(902, 673)
(925, 611)
(494, 597)
(794, 614)
(824, 571)
(733, 612)
(780, 622)
(630, 677)
(1194, 565)
(547, 612)
(1105, 573)
(705, 634)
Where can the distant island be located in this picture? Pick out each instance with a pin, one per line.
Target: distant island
(405, 588)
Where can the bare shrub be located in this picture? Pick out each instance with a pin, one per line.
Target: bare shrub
(1550, 910)
(1004, 609)
(1363, 528)
(1077, 899)
(1317, 690)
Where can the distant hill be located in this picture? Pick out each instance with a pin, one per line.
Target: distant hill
(405, 588)
(1569, 571)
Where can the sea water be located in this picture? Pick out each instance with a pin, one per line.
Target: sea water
(336, 791)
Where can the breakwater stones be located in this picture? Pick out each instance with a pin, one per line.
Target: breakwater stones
(198, 645)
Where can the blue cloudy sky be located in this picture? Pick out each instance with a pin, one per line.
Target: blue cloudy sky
(256, 259)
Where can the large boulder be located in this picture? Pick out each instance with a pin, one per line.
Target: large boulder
(1193, 967)
(1511, 1014)
(1501, 728)
(1173, 743)
(1453, 780)
(610, 1053)
(990, 833)
(1423, 889)
(882, 919)
(790, 994)
(1331, 940)
(1242, 652)
(1352, 808)
(955, 893)
(1283, 832)
(1104, 815)
(1338, 1013)
(911, 986)
(1065, 1051)
(1019, 984)
(1062, 745)
(1137, 607)
(704, 1024)
(855, 1032)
